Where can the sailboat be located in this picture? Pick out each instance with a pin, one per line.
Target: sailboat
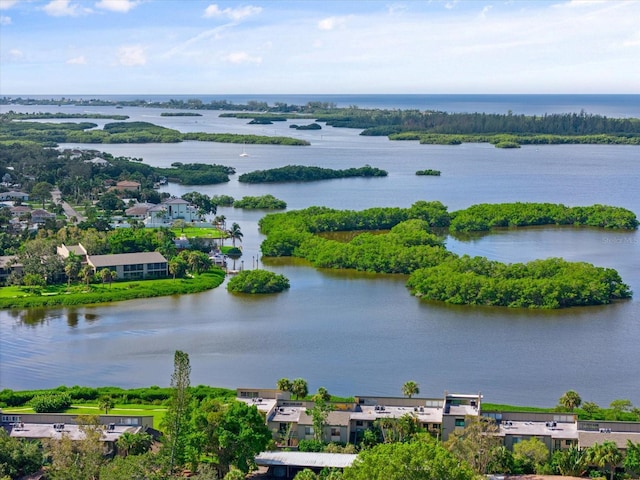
(244, 154)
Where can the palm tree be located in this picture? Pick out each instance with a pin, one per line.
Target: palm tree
(299, 388)
(570, 400)
(106, 403)
(410, 388)
(87, 274)
(72, 266)
(107, 275)
(235, 233)
(177, 267)
(604, 455)
(284, 384)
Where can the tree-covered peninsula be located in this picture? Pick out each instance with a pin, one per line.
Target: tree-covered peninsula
(409, 241)
(51, 134)
(300, 173)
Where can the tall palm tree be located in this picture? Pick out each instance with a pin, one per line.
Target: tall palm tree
(606, 454)
(570, 400)
(87, 274)
(235, 233)
(410, 389)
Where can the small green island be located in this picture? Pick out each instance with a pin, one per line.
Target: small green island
(266, 202)
(300, 173)
(258, 282)
(429, 172)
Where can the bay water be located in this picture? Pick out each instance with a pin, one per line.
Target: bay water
(357, 333)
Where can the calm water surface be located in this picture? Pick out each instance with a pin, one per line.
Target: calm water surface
(358, 333)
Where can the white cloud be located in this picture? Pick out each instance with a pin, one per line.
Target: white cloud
(242, 57)
(121, 6)
(81, 60)
(485, 11)
(132, 56)
(16, 54)
(4, 20)
(7, 4)
(235, 14)
(633, 41)
(62, 8)
(331, 23)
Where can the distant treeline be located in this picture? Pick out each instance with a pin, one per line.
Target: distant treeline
(386, 122)
(412, 246)
(11, 115)
(52, 134)
(300, 173)
(190, 104)
(504, 140)
(180, 114)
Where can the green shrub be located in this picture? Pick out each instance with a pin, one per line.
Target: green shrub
(51, 403)
(258, 281)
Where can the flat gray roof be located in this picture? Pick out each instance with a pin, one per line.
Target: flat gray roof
(305, 459)
(539, 429)
(47, 430)
(99, 261)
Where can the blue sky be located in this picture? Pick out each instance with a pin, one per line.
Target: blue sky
(331, 46)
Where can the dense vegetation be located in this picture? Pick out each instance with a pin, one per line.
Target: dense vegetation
(81, 395)
(262, 202)
(300, 173)
(180, 114)
(410, 245)
(310, 126)
(484, 217)
(11, 115)
(258, 281)
(503, 140)
(195, 173)
(79, 178)
(435, 173)
(121, 132)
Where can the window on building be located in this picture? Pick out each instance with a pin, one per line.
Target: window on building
(335, 432)
(308, 430)
(459, 422)
(359, 423)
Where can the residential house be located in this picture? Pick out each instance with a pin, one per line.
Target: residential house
(40, 426)
(127, 185)
(124, 265)
(169, 211)
(40, 216)
(346, 423)
(13, 196)
(131, 265)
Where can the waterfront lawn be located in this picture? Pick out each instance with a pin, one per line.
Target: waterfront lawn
(197, 232)
(80, 294)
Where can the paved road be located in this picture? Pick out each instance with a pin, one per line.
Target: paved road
(68, 209)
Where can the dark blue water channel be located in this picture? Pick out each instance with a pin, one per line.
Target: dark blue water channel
(358, 333)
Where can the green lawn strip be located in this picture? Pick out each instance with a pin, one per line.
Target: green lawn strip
(197, 232)
(15, 297)
(496, 407)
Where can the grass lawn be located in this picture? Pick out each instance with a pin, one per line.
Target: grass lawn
(80, 294)
(197, 232)
(156, 411)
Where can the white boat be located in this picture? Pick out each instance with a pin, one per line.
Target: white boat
(244, 154)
